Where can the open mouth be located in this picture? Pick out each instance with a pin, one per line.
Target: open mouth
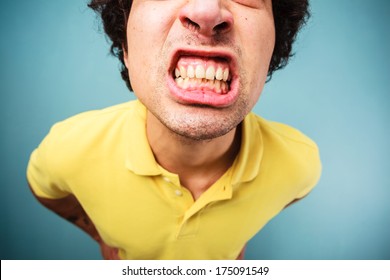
(202, 74)
(203, 78)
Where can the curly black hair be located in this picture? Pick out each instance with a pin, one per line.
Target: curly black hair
(289, 17)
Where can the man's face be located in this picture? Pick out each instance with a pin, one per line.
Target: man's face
(199, 66)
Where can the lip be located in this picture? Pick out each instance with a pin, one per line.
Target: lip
(204, 97)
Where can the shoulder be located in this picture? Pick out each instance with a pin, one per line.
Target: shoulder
(74, 145)
(94, 119)
(91, 127)
(291, 152)
(83, 137)
(280, 137)
(277, 131)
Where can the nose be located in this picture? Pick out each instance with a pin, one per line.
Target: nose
(206, 17)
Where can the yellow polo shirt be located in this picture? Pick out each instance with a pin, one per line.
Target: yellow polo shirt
(104, 159)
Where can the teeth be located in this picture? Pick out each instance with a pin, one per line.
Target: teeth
(219, 74)
(190, 72)
(192, 82)
(179, 81)
(183, 72)
(223, 87)
(199, 72)
(210, 73)
(186, 83)
(217, 86)
(226, 74)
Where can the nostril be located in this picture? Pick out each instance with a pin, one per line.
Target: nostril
(221, 27)
(191, 25)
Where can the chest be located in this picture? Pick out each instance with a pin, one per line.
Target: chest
(152, 218)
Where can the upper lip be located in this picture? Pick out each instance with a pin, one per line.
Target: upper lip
(220, 54)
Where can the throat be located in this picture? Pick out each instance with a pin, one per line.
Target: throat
(199, 164)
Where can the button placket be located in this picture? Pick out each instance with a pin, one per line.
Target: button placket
(175, 188)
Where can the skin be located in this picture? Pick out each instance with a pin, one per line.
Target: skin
(199, 143)
(177, 131)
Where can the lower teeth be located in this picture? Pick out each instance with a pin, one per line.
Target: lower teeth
(217, 86)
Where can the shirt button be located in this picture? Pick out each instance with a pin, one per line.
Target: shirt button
(178, 193)
(166, 179)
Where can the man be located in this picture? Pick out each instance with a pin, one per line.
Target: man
(186, 171)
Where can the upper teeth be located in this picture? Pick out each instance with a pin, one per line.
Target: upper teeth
(201, 73)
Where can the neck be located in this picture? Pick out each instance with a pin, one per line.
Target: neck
(199, 163)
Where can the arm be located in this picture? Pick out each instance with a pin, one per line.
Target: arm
(292, 202)
(295, 201)
(242, 254)
(70, 209)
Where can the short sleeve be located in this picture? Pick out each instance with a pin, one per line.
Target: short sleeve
(40, 174)
(314, 170)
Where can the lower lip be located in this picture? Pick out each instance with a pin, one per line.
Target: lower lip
(203, 97)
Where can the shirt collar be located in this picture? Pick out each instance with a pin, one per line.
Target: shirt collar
(247, 164)
(140, 158)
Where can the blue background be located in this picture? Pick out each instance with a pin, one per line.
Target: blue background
(54, 63)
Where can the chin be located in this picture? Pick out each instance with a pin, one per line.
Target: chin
(200, 124)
